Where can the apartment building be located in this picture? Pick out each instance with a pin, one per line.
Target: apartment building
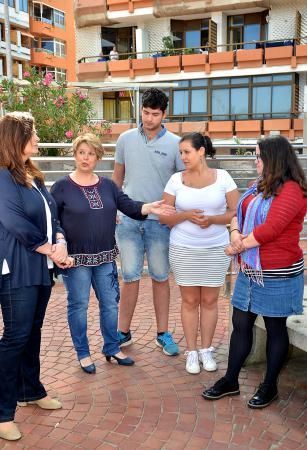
(53, 46)
(233, 68)
(19, 36)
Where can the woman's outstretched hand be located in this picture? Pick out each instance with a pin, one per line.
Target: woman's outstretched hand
(158, 208)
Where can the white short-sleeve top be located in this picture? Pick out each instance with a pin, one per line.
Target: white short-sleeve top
(211, 199)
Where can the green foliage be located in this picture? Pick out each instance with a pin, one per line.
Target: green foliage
(168, 46)
(60, 115)
(188, 51)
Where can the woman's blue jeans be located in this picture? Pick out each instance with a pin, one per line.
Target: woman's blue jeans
(23, 311)
(78, 282)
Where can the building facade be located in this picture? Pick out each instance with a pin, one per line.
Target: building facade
(53, 29)
(42, 35)
(19, 36)
(233, 68)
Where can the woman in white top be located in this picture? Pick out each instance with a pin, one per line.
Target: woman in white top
(205, 201)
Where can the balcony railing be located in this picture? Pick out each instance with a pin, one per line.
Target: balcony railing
(50, 52)
(48, 21)
(291, 42)
(290, 52)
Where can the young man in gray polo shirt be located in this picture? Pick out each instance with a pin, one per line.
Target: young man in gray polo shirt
(145, 159)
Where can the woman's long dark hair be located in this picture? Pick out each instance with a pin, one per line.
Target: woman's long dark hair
(16, 130)
(280, 164)
(199, 140)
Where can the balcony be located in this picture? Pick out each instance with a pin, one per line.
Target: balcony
(17, 18)
(46, 28)
(204, 61)
(226, 129)
(91, 12)
(18, 52)
(103, 12)
(171, 8)
(42, 57)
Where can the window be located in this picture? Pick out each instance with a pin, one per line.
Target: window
(122, 38)
(236, 98)
(45, 14)
(199, 101)
(11, 3)
(274, 98)
(191, 33)
(58, 18)
(117, 106)
(239, 103)
(181, 102)
(244, 31)
(23, 5)
(56, 47)
(58, 74)
(261, 101)
(48, 45)
(281, 100)
(220, 104)
(59, 48)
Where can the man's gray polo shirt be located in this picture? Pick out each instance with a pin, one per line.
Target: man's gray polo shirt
(148, 164)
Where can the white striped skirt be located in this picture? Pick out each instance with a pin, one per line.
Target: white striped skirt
(199, 266)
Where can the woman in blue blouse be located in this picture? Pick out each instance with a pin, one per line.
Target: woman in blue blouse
(28, 234)
(87, 208)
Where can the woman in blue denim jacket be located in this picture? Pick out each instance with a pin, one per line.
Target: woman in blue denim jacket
(28, 234)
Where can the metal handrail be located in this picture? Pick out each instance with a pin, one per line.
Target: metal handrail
(181, 51)
(221, 145)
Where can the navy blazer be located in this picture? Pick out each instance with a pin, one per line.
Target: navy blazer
(23, 228)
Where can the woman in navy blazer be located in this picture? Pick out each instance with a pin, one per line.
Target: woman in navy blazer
(30, 242)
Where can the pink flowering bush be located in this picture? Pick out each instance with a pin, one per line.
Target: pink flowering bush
(60, 116)
(69, 134)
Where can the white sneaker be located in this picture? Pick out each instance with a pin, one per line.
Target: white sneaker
(207, 360)
(192, 363)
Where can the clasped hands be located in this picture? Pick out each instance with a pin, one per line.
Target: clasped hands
(60, 256)
(198, 217)
(236, 245)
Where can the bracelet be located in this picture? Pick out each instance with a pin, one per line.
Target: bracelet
(61, 241)
(234, 229)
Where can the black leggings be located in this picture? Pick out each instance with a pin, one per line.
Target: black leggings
(241, 341)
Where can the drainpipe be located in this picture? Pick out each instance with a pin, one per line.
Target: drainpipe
(9, 68)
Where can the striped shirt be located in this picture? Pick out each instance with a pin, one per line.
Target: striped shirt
(285, 272)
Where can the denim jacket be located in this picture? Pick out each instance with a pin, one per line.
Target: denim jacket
(23, 228)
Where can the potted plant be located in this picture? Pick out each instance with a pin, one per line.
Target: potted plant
(170, 63)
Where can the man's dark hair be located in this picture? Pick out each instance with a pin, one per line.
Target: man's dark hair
(155, 99)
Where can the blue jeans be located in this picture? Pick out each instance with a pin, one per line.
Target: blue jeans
(23, 312)
(78, 281)
(137, 237)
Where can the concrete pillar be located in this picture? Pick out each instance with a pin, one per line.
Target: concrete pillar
(141, 38)
(221, 20)
(20, 71)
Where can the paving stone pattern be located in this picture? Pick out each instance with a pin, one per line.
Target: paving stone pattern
(155, 404)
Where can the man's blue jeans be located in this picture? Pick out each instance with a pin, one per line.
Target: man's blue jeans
(23, 312)
(78, 281)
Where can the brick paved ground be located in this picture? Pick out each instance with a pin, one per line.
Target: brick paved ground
(155, 404)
